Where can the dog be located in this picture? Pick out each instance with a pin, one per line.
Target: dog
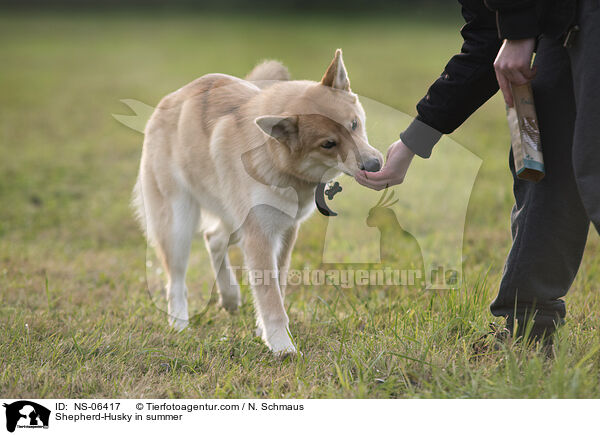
(239, 160)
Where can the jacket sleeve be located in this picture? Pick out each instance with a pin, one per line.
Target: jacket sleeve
(516, 19)
(467, 82)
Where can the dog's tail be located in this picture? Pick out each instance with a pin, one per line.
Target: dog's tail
(269, 70)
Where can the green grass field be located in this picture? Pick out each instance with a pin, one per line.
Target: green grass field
(76, 318)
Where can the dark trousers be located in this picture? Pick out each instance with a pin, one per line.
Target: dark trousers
(551, 219)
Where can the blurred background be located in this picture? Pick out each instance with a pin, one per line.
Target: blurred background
(287, 6)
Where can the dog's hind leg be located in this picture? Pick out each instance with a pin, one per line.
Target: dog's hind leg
(171, 221)
(184, 222)
(217, 241)
(185, 211)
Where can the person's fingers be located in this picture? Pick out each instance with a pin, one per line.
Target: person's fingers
(529, 73)
(368, 183)
(368, 179)
(377, 183)
(360, 175)
(516, 77)
(382, 175)
(505, 88)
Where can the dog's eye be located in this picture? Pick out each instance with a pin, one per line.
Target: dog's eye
(329, 144)
(354, 124)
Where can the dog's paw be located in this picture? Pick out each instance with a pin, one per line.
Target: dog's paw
(230, 304)
(280, 343)
(288, 354)
(178, 312)
(177, 323)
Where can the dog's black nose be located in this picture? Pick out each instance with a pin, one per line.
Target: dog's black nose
(371, 165)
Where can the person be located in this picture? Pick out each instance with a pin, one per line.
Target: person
(550, 219)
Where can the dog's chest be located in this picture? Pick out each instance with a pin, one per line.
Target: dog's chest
(306, 205)
(280, 208)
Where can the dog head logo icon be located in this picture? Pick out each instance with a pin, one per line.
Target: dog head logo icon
(26, 414)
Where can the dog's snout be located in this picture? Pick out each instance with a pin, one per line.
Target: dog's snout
(371, 165)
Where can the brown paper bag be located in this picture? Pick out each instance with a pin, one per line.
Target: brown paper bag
(525, 135)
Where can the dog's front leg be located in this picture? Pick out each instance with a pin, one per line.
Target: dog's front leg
(285, 256)
(260, 254)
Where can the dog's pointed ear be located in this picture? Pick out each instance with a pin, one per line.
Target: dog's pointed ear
(336, 75)
(282, 128)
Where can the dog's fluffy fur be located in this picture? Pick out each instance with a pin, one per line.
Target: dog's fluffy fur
(240, 160)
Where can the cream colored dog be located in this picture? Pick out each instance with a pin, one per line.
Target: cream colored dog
(240, 161)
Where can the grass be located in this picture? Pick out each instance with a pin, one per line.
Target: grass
(76, 318)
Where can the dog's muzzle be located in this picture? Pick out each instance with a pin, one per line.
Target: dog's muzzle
(370, 165)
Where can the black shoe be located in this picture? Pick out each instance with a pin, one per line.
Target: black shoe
(491, 341)
(498, 335)
(534, 331)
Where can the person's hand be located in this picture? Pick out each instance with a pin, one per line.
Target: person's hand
(394, 170)
(513, 65)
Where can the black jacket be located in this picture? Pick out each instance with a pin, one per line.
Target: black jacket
(469, 80)
(520, 19)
